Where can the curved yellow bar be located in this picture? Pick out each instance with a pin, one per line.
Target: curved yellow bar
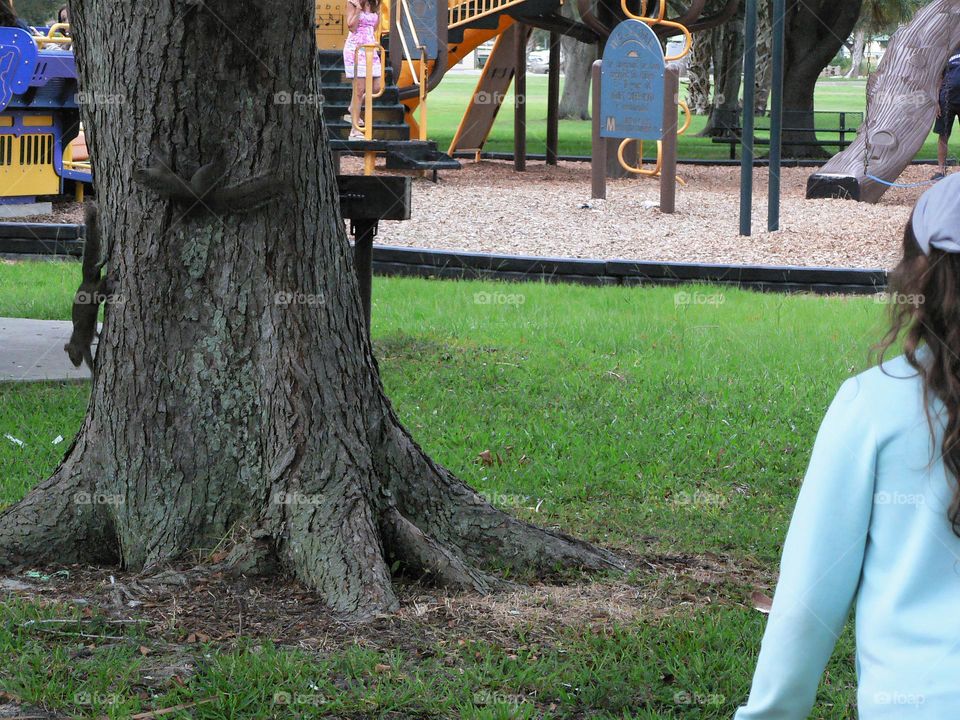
(686, 124)
(640, 170)
(643, 12)
(687, 38)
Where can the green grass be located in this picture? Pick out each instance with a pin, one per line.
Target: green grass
(449, 101)
(620, 416)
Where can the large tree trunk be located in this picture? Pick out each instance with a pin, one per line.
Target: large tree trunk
(578, 58)
(815, 31)
(699, 73)
(764, 76)
(219, 408)
(902, 99)
(728, 77)
(856, 55)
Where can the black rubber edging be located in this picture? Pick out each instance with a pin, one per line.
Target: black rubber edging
(420, 262)
(714, 162)
(64, 240)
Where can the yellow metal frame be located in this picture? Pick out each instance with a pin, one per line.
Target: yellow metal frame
(655, 172)
(659, 20)
(369, 156)
(49, 39)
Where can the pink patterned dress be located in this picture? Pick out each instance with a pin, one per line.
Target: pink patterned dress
(363, 36)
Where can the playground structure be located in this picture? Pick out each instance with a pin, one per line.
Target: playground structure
(902, 102)
(39, 117)
(425, 38)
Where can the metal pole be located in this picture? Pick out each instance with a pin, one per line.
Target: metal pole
(553, 100)
(520, 101)
(668, 171)
(746, 142)
(598, 163)
(363, 233)
(776, 117)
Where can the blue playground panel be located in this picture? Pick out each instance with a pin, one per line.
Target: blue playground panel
(37, 85)
(631, 83)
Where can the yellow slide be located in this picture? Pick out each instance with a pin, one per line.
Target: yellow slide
(472, 39)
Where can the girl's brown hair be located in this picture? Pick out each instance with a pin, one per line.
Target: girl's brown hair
(925, 310)
(8, 16)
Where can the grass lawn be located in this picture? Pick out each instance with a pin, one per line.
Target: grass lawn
(621, 416)
(449, 100)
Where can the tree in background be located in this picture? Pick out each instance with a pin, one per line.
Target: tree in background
(815, 32)
(578, 59)
(38, 12)
(878, 17)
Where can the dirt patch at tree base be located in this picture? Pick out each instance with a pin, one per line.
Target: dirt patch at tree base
(186, 605)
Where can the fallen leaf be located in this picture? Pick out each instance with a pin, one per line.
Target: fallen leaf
(485, 458)
(761, 602)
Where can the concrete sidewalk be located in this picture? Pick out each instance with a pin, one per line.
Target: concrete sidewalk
(32, 350)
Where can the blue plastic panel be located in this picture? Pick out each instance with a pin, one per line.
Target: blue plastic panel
(631, 83)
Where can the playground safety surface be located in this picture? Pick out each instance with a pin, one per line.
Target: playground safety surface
(547, 212)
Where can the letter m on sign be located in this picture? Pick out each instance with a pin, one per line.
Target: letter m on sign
(611, 123)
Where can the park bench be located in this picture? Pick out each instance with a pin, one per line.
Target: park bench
(843, 125)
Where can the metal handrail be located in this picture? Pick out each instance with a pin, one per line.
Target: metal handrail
(419, 78)
(458, 14)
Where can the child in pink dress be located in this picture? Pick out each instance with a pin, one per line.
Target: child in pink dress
(363, 19)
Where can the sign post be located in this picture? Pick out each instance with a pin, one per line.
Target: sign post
(635, 97)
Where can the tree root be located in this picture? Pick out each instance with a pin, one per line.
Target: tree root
(60, 521)
(408, 544)
(453, 515)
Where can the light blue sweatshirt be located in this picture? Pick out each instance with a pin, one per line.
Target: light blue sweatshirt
(870, 525)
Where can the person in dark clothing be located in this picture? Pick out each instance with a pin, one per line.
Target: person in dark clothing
(947, 111)
(8, 17)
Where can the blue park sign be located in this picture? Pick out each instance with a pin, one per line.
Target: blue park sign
(631, 83)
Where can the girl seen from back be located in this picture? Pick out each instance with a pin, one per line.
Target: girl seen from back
(877, 521)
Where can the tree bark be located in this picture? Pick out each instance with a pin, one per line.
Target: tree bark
(902, 99)
(578, 59)
(815, 31)
(728, 77)
(856, 55)
(699, 83)
(764, 76)
(220, 407)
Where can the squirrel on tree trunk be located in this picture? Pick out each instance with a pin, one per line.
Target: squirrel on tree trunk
(92, 291)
